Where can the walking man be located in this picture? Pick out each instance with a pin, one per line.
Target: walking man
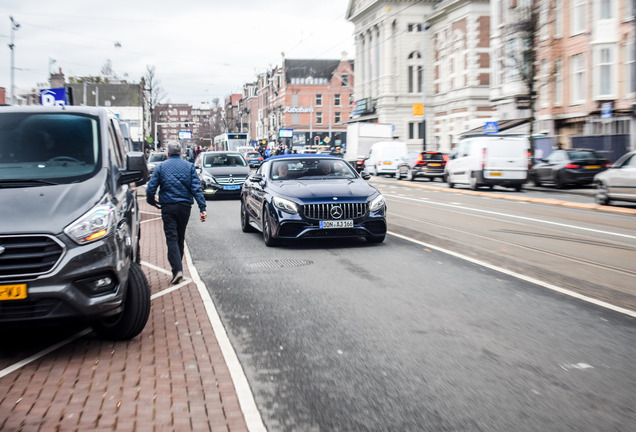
(178, 183)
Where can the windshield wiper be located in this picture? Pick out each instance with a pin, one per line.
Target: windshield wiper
(25, 182)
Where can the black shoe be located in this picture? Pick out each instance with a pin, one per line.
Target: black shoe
(177, 278)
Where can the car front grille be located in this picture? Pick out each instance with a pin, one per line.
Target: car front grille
(328, 211)
(230, 180)
(27, 255)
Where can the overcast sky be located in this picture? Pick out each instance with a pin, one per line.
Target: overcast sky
(201, 49)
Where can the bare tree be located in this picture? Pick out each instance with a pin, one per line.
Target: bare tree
(154, 94)
(521, 35)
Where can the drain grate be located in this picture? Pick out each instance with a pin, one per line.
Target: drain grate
(281, 263)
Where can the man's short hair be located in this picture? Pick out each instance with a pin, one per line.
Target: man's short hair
(174, 149)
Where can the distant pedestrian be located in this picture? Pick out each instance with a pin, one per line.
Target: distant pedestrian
(178, 184)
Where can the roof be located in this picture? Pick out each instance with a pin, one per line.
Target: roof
(310, 68)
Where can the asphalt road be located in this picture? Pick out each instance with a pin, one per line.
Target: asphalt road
(347, 336)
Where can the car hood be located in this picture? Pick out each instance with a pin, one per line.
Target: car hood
(49, 209)
(226, 171)
(318, 190)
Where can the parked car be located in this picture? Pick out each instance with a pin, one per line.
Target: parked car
(306, 196)
(429, 164)
(618, 182)
(489, 161)
(384, 157)
(69, 240)
(221, 172)
(253, 158)
(155, 159)
(568, 167)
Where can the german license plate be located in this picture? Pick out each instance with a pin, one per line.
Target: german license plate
(231, 187)
(592, 166)
(13, 292)
(336, 224)
(495, 174)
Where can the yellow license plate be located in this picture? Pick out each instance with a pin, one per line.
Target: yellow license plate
(592, 166)
(13, 292)
(434, 164)
(495, 174)
(388, 163)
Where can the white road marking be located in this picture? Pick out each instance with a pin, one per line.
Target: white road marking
(462, 207)
(520, 276)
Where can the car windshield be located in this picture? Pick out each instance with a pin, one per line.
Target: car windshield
(311, 169)
(223, 159)
(584, 154)
(157, 157)
(55, 147)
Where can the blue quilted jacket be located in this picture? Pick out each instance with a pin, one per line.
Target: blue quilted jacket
(178, 183)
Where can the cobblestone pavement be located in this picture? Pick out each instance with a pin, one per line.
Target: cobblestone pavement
(172, 377)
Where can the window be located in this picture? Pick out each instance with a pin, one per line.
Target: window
(577, 67)
(578, 16)
(345, 80)
(412, 28)
(318, 100)
(630, 68)
(544, 88)
(606, 9)
(605, 72)
(414, 72)
(336, 100)
(415, 130)
(318, 118)
(337, 117)
(558, 83)
(558, 18)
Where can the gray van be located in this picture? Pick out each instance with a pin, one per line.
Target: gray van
(69, 220)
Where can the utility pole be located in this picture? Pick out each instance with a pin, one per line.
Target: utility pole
(14, 26)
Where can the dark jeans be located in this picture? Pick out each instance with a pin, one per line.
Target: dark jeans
(175, 220)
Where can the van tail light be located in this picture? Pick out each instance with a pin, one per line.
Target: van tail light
(529, 159)
(483, 159)
(572, 166)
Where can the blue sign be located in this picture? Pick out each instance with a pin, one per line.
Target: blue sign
(606, 110)
(53, 97)
(491, 128)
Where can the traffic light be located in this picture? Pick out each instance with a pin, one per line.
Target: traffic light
(317, 140)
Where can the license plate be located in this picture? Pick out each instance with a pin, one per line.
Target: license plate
(231, 187)
(592, 166)
(13, 292)
(434, 164)
(336, 224)
(495, 174)
(388, 163)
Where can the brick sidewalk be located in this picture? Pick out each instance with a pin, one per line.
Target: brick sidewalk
(172, 377)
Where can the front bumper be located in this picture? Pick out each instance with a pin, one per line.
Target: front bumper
(218, 189)
(70, 289)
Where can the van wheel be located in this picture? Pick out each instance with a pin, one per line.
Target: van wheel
(132, 320)
(473, 182)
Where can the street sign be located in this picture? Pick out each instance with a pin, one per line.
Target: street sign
(491, 128)
(606, 110)
(53, 97)
(418, 109)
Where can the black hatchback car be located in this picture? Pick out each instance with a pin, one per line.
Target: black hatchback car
(311, 196)
(568, 167)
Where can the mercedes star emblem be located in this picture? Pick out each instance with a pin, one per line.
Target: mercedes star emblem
(336, 212)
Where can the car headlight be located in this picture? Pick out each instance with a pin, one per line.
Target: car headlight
(94, 225)
(208, 178)
(377, 203)
(285, 205)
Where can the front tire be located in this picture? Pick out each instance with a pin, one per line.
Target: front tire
(409, 175)
(268, 237)
(245, 219)
(601, 196)
(447, 179)
(559, 181)
(132, 320)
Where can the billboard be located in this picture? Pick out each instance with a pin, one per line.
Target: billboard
(285, 133)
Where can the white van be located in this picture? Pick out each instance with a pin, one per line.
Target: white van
(489, 161)
(384, 157)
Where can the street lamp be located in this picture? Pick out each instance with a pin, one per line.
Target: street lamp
(14, 26)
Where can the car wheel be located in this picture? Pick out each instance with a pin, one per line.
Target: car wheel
(375, 239)
(245, 219)
(559, 181)
(536, 181)
(132, 320)
(409, 175)
(398, 174)
(447, 179)
(601, 196)
(518, 187)
(268, 238)
(473, 182)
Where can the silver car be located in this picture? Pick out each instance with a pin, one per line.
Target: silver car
(155, 159)
(618, 182)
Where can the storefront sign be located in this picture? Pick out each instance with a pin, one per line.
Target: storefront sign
(298, 109)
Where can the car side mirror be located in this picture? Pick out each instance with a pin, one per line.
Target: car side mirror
(256, 178)
(365, 175)
(136, 169)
